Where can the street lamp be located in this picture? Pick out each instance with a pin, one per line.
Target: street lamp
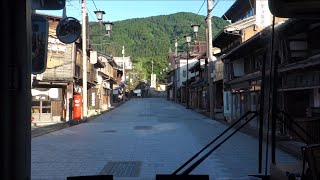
(108, 25)
(188, 40)
(99, 15)
(195, 28)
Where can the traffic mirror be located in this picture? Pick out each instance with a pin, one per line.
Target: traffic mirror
(68, 30)
(39, 43)
(48, 4)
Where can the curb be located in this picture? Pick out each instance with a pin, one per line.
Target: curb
(55, 127)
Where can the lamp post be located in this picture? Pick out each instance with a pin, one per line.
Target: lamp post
(108, 25)
(210, 60)
(99, 15)
(188, 40)
(195, 28)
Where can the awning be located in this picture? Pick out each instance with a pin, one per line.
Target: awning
(89, 83)
(239, 25)
(257, 41)
(298, 88)
(231, 33)
(50, 83)
(198, 84)
(106, 77)
(313, 61)
(192, 79)
(247, 78)
(99, 64)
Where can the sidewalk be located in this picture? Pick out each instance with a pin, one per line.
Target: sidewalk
(39, 131)
(284, 143)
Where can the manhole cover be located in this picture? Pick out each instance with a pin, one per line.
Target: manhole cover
(108, 131)
(122, 168)
(142, 127)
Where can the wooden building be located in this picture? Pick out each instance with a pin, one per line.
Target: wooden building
(52, 91)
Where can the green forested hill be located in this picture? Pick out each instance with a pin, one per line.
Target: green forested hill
(147, 39)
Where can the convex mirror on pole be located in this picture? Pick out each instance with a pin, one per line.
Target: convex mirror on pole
(68, 30)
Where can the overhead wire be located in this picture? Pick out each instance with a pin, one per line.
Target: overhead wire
(95, 5)
(70, 4)
(91, 15)
(75, 7)
(201, 6)
(214, 5)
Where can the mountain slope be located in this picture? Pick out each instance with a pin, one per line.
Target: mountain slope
(149, 39)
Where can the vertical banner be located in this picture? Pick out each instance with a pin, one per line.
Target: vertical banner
(93, 99)
(263, 14)
(227, 97)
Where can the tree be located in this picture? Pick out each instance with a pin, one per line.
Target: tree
(149, 39)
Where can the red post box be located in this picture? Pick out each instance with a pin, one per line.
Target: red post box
(77, 107)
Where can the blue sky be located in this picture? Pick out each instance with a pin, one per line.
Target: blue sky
(126, 9)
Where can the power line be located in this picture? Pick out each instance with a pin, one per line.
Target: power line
(95, 5)
(76, 8)
(201, 6)
(214, 6)
(91, 15)
(70, 4)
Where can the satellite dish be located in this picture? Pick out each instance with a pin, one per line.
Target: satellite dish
(68, 30)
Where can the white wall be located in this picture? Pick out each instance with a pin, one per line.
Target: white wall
(183, 67)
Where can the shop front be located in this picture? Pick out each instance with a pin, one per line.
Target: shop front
(48, 105)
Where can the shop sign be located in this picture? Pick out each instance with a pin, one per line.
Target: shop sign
(227, 98)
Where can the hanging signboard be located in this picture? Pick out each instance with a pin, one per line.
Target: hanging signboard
(263, 14)
(227, 97)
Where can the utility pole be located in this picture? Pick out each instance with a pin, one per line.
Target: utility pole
(187, 83)
(210, 58)
(123, 66)
(152, 67)
(123, 75)
(84, 62)
(176, 71)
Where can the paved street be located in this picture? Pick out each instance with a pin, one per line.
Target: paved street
(145, 137)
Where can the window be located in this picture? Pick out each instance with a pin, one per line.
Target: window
(41, 104)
